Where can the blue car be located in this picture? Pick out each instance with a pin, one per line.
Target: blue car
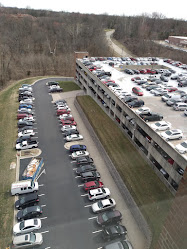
(25, 106)
(77, 147)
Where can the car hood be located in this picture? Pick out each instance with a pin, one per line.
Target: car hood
(180, 148)
(20, 214)
(95, 207)
(16, 228)
(18, 146)
(39, 238)
(17, 203)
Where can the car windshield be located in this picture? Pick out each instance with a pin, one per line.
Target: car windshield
(25, 211)
(22, 200)
(105, 217)
(32, 237)
(125, 245)
(100, 204)
(168, 133)
(157, 124)
(21, 226)
(184, 144)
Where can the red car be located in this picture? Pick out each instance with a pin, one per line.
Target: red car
(68, 122)
(93, 185)
(62, 111)
(23, 115)
(136, 78)
(151, 71)
(137, 91)
(143, 71)
(109, 81)
(172, 89)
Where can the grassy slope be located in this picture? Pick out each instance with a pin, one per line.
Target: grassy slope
(68, 86)
(150, 194)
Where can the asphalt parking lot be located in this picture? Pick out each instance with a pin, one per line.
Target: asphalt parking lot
(67, 219)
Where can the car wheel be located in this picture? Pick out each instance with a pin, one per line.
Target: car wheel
(180, 137)
(146, 120)
(167, 139)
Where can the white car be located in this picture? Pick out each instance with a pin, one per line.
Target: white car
(185, 112)
(27, 226)
(65, 116)
(98, 193)
(118, 93)
(103, 205)
(143, 110)
(68, 128)
(27, 240)
(63, 107)
(26, 132)
(74, 137)
(26, 101)
(182, 147)
(29, 119)
(161, 126)
(172, 134)
(25, 145)
(79, 153)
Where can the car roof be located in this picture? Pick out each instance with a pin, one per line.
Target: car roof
(95, 191)
(30, 196)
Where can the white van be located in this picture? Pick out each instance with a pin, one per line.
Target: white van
(24, 187)
(180, 106)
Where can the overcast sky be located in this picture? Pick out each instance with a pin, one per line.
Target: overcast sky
(169, 8)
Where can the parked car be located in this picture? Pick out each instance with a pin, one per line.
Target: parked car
(25, 145)
(80, 153)
(185, 112)
(68, 127)
(172, 102)
(182, 147)
(103, 205)
(98, 193)
(143, 110)
(122, 244)
(27, 240)
(29, 119)
(172, 89)
(84, 160)
(182, 83)
(137, 91)
(109, 217)
(128, 71)
(164, 78)
(74, 137)
(159, 91)
(29, 212)
(52, 83)
(77, 147)
(90, 176)
(114, 231)
(62, 111)
(22, 123)
(151, 116)
(129, 99)
(27, 226)
(26, 133)
(26, 101)
(24, 138)
(172, 134)
(23, 115)
(136, 103)
(24, 128)
(68, 122)
(27, 200)
(92, 185)
(55, 90)
(161, 126)
(27, 106)
(86, 168)
(71, 132)
(180, 106)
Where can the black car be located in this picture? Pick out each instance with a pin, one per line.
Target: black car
(113, 232)
(29, 213)
(24, 138)
(182, 83)
(164, 78)
(149, 88)
(130, 99)
(84, 160)
(86, 168)
(63, 101)
(104, 73)
(90, 176)
(136, 103)
(151, 116)
(24, 123)
(55, 90)
(25, 128)
(52, 83)
(26, 201)
(129, 71)
(109, 217)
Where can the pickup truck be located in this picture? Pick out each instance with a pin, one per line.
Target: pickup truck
(151, 116)
(25, 145)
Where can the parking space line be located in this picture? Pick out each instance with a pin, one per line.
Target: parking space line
(41, 195)
(43, 205)
(48, 247)
(88, 205)
(91, 218)
(41, 185)
(43, 218)
(99, 248)
(98, 231)
(84, 195)
(81, 185)
(45, 232)
(77, 176)
(73, 161)
(74, 168)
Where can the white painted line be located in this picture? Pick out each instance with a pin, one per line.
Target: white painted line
(88, 205)
(77, 176)
(41, 195)
(48, 247)
(43, 218)
(41, 185)
(68, 155)
(74, 168)
(43, 205)
(91, 218)
(73, 161)
(99, 247)
(81, 185)
(45, 232)
(98, 231)
(84, 195)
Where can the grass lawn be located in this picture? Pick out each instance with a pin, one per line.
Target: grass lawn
(150, 194)
(8, 135)
(68, 86)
